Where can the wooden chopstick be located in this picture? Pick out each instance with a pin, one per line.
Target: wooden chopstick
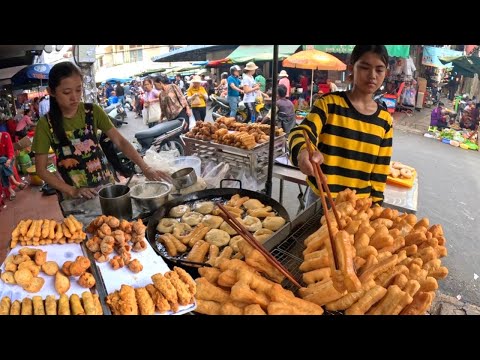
(324, 204)
(320, 177)
(244, 233)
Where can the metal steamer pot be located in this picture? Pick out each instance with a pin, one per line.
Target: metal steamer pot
(115, 201)
(213, 195)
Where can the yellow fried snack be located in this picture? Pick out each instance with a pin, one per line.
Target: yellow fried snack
(35, 285)
(317, 275)
(348, 300)
(213, 252)
(38, 308)
(208, 307)
(135, 266)
(8, 277)
(59, 232)
(66, 267)
(230, 309)
(301, 307)
(366, 301)
(5, 306)
(253, 309)
(199, 251)
(23, 277)
(88, 303)
(86, 280)
(30, 252)
(242, 292)
(20, 258)
(210, 273)
(208, 291)
(76, 305)
(70, 225)
(16, 231)
(169, 245)
(98, 305)
(393, 302)
(420, 304)
(321, 293)
(63, 305)
(166, 288)
(79, 266)
(255, 259)
(161, 304)
(62, 283)
(50, 268)
(40, 257)
(31, 266)
(382, 266)
(45, 229)
(51, 229)
(25, 227)
(27, 306)
(144, 301)
(15, 308)
(50, 305)
(183, 293)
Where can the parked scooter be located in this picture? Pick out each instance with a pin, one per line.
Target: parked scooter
(220, 107)
(128, 103)
(117, 114)
(163, 137)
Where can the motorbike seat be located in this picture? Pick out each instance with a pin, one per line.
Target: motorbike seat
(222, 100)
(159, 129)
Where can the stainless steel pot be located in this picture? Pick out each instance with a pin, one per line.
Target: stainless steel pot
(115, 201)
(184, 178)
(150, 195)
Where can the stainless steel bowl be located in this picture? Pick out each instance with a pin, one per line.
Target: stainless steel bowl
(150, 195)
(184, 178)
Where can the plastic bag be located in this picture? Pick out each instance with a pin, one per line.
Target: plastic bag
(249, 182)
(216, 174)
(160, 160)
(191, 122)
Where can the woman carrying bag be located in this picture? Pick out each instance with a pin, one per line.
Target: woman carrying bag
(197, 96)
(151, 111)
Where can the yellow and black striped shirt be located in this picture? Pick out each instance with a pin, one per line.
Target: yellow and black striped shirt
(356, 148)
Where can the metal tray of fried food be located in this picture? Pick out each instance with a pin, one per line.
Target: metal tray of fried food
(290, 252)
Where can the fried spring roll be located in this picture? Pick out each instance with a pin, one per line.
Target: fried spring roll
(27, 306)
(5, 306)
(51, 305)
(88, 303)
(15, 308)
(38, 307)
(63, 305)
(75, 303)
(98, 305)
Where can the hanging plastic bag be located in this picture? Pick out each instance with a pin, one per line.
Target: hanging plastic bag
(160, 161)
(216, 174)
(191, 122)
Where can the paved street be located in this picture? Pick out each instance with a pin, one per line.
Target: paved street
(448, 194)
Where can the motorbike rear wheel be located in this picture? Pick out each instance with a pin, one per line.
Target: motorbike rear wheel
(172, 145)
(118, 121)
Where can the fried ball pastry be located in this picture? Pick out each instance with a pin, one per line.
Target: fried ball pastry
(62, 283)
(63, 305)
(23, 277)
(27, 306)
(217, 237)
(251, 223)
(31, 266)
(204, 207)
(66, 268)
(144, 301)
(192, 218)
(38, 308)
(86, 280)
(212, 221)
(35, 285)
(179, 211)
(227, 228)
(50, 305)
(8, 277)
(135, 266)
(50, 268)
(166, 225)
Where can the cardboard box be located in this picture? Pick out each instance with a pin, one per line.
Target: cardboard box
(22, 143)
(422, 84)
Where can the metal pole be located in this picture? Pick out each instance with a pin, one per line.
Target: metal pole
(89, 87)
(311, 90)
(268, 184)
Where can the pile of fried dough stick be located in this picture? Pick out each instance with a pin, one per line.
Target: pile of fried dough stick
(389, 262)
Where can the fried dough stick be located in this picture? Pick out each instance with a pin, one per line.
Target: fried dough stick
(254, 258)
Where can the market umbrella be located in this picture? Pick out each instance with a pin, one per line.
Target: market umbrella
(31, 74)
(312, 59)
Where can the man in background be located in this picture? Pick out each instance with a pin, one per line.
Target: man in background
(120, 92)
(44, 106)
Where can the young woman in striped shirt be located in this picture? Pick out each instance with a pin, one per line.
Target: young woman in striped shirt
(353, 134)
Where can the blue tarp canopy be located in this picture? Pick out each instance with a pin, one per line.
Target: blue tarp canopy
(115, 80)
(33, 74)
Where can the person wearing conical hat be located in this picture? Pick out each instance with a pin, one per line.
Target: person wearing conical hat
(284, 81)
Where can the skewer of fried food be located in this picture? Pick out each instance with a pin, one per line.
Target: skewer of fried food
(321, 182)
(244, 233)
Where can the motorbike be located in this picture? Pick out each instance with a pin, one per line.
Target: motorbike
(220, 107)
(162, 137)
(117, 114)
(128, 103)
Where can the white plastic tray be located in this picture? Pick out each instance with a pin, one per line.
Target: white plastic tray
(56, 252)
(152, 264)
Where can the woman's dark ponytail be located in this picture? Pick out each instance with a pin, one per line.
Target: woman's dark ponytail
(56, 119)
(59, 72)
